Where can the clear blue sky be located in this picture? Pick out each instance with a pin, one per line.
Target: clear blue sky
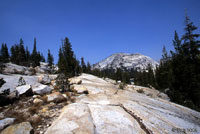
(96, 28)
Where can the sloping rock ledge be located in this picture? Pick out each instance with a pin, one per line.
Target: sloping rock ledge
(109, 110)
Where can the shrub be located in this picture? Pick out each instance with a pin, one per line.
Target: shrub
(122, 86)
(140, 91)
(2, 81)
(35, 120)
(73, 100)
(32, 70)
(150, 94)
(34, 109)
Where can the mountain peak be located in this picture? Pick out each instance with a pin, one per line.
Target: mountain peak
(125, 60)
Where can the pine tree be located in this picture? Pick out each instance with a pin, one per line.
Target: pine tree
(83, 65)
(21, 56)
(78, 69)
(34, 53)
(41, 57)
(88, 67)
(28, 57)
(181, 72)
(163, 72)
(4, 53)
(35, 56)
(50, 58)
(14, 54)
(187, 61)
(177, 43)
(68, 66)
(67, 62)
(69, 58)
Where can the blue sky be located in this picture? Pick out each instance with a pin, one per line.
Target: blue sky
(96, 28)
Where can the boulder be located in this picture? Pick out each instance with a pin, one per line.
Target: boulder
(163, 96)
(44, 79)
(35, 119)
(53, 76)
(65, 96)
(1, 114)
(89, 119)
(6, 122)
(41, 89)
(11, 68)
(12, 81)
(24, 90)
(74, 119)
(43, 68)
(79, 89)
(55, 97)
(38, 101)
(75, 81)
(39, 70)
(86, 89)
(21, 128)
(53, 83)
(110, 80)
(36, 96)
(7, 97)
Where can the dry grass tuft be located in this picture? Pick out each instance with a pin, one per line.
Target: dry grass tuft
(44, 98)
(34, 109)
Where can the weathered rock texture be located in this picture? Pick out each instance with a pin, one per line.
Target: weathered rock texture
(24, 89)
(6, 122)
(55, 97)
(44, 79)
(22, 128)
(109, 110)
(42, 89)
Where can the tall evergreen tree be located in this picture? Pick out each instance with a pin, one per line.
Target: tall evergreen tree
(163, 72)
(88, 67)
(4, 53)
(21, 56)
(78, 69)
(35, 56)
(83, 65)
(14, 54)
(50, 58)
(61, 62)
(28, 57)
(67, 62)
(41, 57)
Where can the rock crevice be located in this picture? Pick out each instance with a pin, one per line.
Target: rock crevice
(138, 119)
(95, 132)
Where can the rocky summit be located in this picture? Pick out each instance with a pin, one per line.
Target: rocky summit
(107, 109)
(126, 61)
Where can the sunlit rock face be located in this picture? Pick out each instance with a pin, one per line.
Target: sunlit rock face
(126, 61)
(110, 110)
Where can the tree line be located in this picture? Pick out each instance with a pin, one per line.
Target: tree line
(21, 56)
(179, 71)
(178, 74)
